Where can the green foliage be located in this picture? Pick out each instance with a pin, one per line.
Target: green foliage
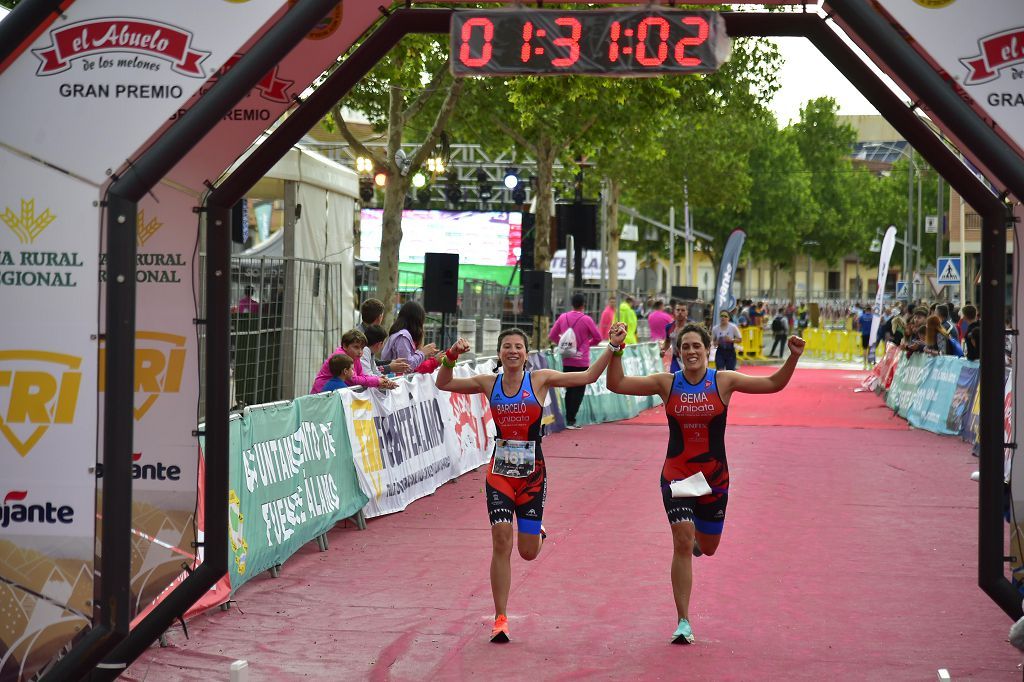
(839, 191)
(708, 138)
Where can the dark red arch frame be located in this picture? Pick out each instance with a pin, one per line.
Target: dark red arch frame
(869, 27)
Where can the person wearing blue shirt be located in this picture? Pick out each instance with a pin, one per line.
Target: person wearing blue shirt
(341, 372)
(864, 321)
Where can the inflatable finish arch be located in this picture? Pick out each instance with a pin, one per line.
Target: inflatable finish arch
(120, 118)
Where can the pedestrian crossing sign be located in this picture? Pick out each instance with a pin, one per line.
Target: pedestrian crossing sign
(949, 270)
(901, 291)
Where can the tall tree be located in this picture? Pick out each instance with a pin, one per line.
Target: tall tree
(708, 143)
(825, 145)
(781, 199)
(410, 90)
(626, 144)
(543, 117)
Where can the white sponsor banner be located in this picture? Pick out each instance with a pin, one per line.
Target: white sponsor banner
(166, 354)
(408, 442)
(49, 231)
(106, 74)
(888, 244)
(592, 264)
(166, 373)
(981, 51)
(274, 94)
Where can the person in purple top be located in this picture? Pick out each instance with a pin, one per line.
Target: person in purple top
(405, 340)
(575, 358)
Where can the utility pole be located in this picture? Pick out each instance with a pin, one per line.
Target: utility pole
(939, 213)
(920, 222)
(688, 229)
(908, 276)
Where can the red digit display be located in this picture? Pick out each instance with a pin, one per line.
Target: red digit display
(525, 51)
(467, 33)
(613, 44)
(621, 41)
(693, 41)
(572, 41)
(641, 41)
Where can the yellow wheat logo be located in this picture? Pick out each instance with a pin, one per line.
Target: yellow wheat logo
(28, 225)
(144, 230)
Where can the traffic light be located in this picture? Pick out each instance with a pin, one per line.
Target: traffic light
(366, 189)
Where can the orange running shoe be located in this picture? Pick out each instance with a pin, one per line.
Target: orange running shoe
(499, 633)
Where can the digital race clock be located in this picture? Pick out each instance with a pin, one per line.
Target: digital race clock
(615, 42)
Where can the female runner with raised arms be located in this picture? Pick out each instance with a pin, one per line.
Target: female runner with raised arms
(516, 475)
(695, 476)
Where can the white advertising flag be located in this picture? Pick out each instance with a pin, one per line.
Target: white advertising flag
(888, 243)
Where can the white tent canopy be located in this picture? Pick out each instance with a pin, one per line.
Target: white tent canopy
(320, 204)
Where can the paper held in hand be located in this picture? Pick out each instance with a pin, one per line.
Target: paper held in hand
(692, 486)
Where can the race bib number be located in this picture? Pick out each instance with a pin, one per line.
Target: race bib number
(514, 458)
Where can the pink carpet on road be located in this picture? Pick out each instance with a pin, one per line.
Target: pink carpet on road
(849, 552)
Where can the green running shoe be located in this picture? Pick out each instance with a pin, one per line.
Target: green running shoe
(683, 633)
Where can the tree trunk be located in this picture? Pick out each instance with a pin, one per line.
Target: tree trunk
(614, 233)
(394, 204)
(390, 243)
(545, 155)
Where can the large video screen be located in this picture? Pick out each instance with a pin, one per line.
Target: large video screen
(479, 237)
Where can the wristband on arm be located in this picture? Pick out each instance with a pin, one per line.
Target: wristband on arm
(450, 364)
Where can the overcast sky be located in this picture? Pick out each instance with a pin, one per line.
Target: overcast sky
(807, 74)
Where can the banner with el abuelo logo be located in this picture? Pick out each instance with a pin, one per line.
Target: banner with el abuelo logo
(292, 479)
(408, 442)
(49, 231)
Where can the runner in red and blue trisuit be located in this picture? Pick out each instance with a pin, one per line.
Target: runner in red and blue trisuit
(696, 444)
(517, 417)
(516, 474)
(695, 476)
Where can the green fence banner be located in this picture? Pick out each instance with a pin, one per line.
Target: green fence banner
(601, 405)
(292, 479)
(925, 388)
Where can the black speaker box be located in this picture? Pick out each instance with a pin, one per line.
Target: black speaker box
(684, 293)
(440, 282)
(527, 241)
(579, 220)
(536, 292)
